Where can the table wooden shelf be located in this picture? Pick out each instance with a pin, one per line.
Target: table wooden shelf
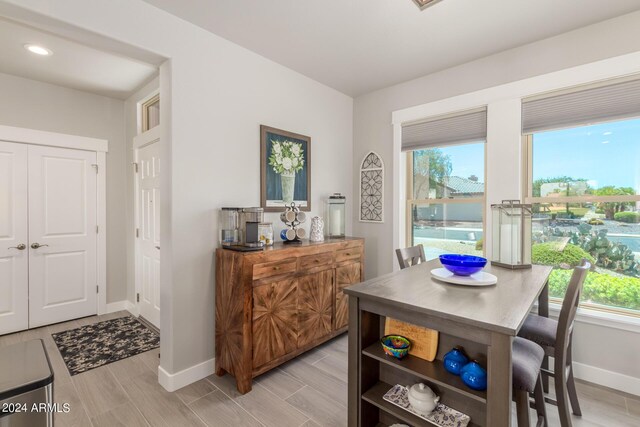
(374, 396)
(432, 372)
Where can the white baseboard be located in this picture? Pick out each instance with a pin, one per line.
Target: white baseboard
(599, 376)
(120, 306)
(173, 382)
(606, 378)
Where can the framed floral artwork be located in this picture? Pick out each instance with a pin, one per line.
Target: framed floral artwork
(285, 169)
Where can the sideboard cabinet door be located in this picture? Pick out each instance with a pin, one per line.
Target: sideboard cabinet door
(346, 275)
(315, 306)
(275, 320)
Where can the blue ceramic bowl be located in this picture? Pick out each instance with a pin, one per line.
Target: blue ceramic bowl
(395, 345)
(462, 265)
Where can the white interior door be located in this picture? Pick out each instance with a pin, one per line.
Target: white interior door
(148, 240)
(14, 253)
(62, 234)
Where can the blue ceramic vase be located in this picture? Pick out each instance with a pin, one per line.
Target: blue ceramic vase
(474, 376)
(455, 360)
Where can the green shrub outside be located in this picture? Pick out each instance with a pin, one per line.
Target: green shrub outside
(479, 245)
(549, 254)
(600, 289)
(631, 217)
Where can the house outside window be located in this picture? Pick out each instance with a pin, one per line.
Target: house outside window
(445, 211)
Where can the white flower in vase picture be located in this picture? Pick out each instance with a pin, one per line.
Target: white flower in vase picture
(286, 158)
(286, 164)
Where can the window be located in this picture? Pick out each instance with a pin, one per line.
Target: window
(445, 182)
(445, 209)
(150, 113)
(584, 184)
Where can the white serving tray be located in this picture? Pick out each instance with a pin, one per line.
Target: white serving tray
(481, 278)
(442, 416)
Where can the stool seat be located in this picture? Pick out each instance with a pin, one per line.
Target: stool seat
(540, 330)
(526, 359)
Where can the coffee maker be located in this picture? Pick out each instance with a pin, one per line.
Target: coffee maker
(238, 228)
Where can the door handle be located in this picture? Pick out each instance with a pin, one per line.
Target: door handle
(158, 247)
(37, 245)
(20, 247)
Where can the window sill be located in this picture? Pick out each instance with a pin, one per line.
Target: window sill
(600, 318)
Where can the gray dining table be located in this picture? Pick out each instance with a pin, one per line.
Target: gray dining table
(484, 320)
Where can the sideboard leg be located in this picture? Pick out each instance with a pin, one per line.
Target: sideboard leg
(219, 371)
(244, 385)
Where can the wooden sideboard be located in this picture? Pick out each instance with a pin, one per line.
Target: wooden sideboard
(275, 304)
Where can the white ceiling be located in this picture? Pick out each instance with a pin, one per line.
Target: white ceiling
(72, 64)
(357, 46)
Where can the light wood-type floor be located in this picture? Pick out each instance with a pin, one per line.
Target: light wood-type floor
(310, 390)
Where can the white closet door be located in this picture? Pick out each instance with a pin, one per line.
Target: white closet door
(14, 253)
(62, 235)
(149, 238)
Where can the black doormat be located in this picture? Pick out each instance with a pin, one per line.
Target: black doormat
(92, 346)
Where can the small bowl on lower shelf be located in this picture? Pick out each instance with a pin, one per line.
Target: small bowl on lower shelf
(395, 345)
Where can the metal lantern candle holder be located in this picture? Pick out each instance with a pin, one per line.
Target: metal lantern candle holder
(511, 239)
(335, 217)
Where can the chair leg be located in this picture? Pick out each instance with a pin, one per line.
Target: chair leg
(573, 395)
(545, 379)
(522, 407)
(541, 408)
(562, 398)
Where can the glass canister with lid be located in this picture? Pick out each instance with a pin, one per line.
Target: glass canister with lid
(229, 226)
(265, 232)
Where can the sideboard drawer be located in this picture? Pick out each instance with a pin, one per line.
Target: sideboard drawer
(349, 253)
(316, 260)
(274, 268)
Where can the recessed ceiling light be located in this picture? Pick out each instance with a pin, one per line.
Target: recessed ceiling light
(38, 50)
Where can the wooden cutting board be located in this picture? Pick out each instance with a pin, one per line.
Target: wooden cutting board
(424, 341)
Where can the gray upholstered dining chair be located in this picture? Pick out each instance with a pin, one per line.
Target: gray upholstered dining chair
(556, 337)
(526, 362)
(408, 257)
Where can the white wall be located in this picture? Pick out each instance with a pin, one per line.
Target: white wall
(37, 105)
(217, 94)
(373, 131)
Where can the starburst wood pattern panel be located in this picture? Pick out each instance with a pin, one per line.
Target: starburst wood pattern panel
(345, 275)
(275, 320)
(315, 306)
(275, 304)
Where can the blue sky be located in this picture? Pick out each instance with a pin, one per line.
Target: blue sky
(467, 160)
(604, 154)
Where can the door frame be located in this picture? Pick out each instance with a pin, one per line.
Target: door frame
(100, 147)
(142, 140)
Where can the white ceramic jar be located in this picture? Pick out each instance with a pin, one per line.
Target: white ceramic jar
(422, 399)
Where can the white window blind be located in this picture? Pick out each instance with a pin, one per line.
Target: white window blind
(452, 129)
(601, 103)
